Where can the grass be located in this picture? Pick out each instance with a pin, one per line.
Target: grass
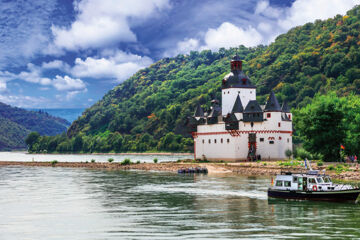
(289, 163)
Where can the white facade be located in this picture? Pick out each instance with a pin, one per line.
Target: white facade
(273, 138)
(229, 95)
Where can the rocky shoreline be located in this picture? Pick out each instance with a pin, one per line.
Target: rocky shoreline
(244, 168)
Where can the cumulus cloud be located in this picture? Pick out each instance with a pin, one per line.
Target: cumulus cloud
(111, 64)
(228, 35)
(24, 101)
(67, 83)
(56, 64)
(268, 22)
(101, 23)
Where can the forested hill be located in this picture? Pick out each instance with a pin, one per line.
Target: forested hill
(145, 112)
(17, 123)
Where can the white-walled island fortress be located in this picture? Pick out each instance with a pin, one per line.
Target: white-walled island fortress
(241, 129)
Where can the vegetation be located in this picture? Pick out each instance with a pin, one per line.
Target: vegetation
(288, 153)
(329, 122)
(17, 123)
(110, 160)
(148, 111)
(155, 160)
(127, 161)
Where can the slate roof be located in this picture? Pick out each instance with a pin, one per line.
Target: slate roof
(284, 117)
(272, 104)
(215, 111)
(199, 112)
(237, 79)
(253, 107)
(285, 108)
(238, 107)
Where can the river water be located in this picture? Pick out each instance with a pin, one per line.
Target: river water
(24, 156)
(69, 203)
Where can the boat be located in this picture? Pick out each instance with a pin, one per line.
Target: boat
(311, 185)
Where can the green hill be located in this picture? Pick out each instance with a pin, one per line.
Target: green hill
(17, 123)
(148, 111)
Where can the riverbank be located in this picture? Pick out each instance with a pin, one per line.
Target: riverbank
(243, 168)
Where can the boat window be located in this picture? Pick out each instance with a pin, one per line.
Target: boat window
(312, 180)
(327, 179)
(295, 179)
(279, 183)
(319, 180)
(287, 183)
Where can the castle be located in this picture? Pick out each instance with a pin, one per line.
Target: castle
(241, 129)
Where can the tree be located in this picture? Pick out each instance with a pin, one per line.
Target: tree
(320, 125)
(288, 153)
(32, 138)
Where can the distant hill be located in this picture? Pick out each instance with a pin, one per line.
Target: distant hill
(70, 114)
(147, 112)
(17, 123)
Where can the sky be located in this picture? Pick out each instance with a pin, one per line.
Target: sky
(68, 54)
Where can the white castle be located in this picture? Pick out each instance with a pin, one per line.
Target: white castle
(242, 129)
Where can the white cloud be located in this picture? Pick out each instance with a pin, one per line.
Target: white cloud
(228, 35)
(56, 64)
(112, 64)
(25, 30)
(67, 83)
(24, 101)
(266, 23)
(33, 75)
(101, 23)
(303, 11)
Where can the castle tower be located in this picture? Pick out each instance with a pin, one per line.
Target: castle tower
(234, 84)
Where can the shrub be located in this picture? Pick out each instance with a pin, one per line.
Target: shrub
(155, 160)
(127, 161)
(320, 163)
(110, 160)
(288, 153)
(138, 162)
(54, 162)
(330, 167)
(92, 160)
(302, 153)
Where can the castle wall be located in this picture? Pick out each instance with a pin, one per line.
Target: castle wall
(215, 143)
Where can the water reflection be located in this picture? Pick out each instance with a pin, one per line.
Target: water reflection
(97, 204)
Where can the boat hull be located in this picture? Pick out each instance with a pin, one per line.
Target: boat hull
(332, 196)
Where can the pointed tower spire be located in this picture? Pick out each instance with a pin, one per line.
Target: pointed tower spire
(238, 107)
(199, 112)
(285, 108)
(272, 104)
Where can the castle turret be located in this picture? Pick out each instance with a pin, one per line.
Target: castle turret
(286, 112)
(199, 112)
(234, 84)
(238, 108)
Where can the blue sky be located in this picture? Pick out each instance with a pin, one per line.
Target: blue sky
(68, 54)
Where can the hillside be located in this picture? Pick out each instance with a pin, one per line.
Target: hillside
(17, 123)
(148, 111)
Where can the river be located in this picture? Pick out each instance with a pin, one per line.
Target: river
(68, 203)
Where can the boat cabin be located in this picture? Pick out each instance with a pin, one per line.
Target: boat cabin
(311, 181)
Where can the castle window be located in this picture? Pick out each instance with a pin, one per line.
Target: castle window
(290, 116)
(228, 140)
(261, 139)
(221, 140)
(268, 115)
(228, 92)
(224, 92)
(271, 142)
(279, 138)
(203, 141)
(288, 140)
(279, 124)
(239, 92)
(214, 140)
(250, 91)
(209, 140)
(252, 124)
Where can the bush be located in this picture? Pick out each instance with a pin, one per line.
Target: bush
(320, 163)
(302, 153)
(288, 153)
(92, 160)
(54, 162)
(110, 160)
(155, 160)
(330, 167)
(138, 162)
(127, 161)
